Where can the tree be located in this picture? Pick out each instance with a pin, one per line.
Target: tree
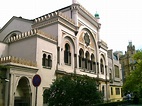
(3, 70)
(73, 90)
(134, 80)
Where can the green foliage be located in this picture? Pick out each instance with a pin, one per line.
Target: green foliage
(3, 71)
(134, 80)
(2, 67)
(73, 90)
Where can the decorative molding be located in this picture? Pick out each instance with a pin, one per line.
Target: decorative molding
(103, 45)
(21, 36)
(81, 37)
(12, 59)
(51, 16)
(30, 33)
(87, 39)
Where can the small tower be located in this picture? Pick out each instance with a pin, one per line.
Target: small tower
(130, 48)
(74, 1)
(75, 11)
(97, 16)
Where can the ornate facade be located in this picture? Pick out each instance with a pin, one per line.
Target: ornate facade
(61, 42)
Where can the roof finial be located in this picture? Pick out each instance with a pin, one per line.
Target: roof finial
(74, 1)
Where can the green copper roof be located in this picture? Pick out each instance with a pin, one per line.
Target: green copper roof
(97, 15)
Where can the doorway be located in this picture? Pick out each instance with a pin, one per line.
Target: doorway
(23, 93)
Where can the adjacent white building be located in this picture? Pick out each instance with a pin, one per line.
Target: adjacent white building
(64, 41)
(115, 75)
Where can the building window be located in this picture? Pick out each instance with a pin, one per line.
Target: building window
(46, 60)
(111, 91)
(87, 61)
(103, 90)
(116, 71)
(67, 55)
(49, 61)
(81, 58)
(102, 66)
(93, 64)
(117, 90)
(110, 76)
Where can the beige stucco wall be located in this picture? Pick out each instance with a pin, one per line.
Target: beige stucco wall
(47, 75)
(51, 30)
(25, 48)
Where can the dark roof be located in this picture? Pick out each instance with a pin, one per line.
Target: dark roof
(14, 17)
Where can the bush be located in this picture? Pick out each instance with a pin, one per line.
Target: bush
(73, 90)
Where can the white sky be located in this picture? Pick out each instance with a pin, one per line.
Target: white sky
(121, 20)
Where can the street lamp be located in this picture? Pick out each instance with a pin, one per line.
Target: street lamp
(5, 79)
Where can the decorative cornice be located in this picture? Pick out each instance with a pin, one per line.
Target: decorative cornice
(45, 17)
(75, 6)
(11, 59)
(45, 23)
(30, 33)
(66, 18)
(50, 16)
(102, 45)
(21, 36)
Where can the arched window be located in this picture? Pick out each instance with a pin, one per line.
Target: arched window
(103, 90)
(81, 58)
(46, 61)
(102, 66)
(111, 91)
(67, 54)
(49, 64)
(11, 34)
(116, 68)
(87, 61)
(92, 64)
(110, 75)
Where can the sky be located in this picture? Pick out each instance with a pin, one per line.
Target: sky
(121, 20)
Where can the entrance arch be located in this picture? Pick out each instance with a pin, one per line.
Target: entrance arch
(23, 93)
